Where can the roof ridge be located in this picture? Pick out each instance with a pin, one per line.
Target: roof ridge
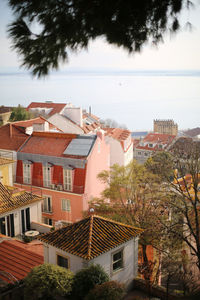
(116, 222)
(90, 236)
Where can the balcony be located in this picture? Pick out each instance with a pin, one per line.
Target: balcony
(53, 186)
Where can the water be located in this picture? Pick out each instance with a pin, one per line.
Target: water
(130, 98)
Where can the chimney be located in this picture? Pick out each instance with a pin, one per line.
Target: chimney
(11, 130)
(90, 110)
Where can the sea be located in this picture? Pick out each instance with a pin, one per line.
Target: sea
(132, 98)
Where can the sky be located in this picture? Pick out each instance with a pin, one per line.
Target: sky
(178, 52)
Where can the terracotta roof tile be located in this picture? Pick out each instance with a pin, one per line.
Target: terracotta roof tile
(29, 123)
(117, 133)
(17, 260)
(56, 107)
(11, 137)
(43, 143)
(91, 236)
(10, 201)
(158, 139)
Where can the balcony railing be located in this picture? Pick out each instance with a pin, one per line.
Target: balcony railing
(53, 186)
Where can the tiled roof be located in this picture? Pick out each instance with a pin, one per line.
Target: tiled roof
(10, 201)
(31, 122)
(11, 137)
(5, 161)
(91, 127)
(91, 236)
(5, 109)
(49, 143)
(17, 260)
(157, 139)
(117, 133)
(56, 107)
(86, 115)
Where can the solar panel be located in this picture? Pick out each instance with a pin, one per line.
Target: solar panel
(79, 146)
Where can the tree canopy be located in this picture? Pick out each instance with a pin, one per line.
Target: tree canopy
(47, 282)
(19, 113)
(69, 25)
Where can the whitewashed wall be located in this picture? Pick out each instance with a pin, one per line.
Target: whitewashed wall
(124, 275)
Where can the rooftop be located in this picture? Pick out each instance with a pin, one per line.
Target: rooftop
(91, 236)
(117, 133)
(55, 107)
(17, 259)
(10, 199)
(57, 144)
(12, 137)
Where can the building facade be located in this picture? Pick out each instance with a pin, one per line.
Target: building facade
(165, 127)
(95, 240)
(63, 168)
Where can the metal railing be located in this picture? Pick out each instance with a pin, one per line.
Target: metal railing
(35, 182)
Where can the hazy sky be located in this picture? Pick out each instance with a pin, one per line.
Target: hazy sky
(180, 51)
(131, 100)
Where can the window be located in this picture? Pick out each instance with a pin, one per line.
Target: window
(66, 205)
(139, 153)
(117, 260)
(151, 145)
(160, 146)
(47, 221)
(63, 261)
(47, 176)
(68, 180)
(47, 204)
(27, 173)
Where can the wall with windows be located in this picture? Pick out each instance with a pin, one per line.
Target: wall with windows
(18, 221)
(53, 206)
(120, 263)
(51, 254)
(122, 270)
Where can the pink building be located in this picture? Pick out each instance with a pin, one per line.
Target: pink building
(63, 168)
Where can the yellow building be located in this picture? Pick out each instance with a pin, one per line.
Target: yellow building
(6, 171)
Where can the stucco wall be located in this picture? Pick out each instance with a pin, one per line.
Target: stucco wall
(64, 124)
(57, 213)
(50, 256)
(116, 151)
(124, 275)
(98, 160)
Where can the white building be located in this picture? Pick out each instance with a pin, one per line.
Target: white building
(121, 146)
(18, 210)
(95, 240)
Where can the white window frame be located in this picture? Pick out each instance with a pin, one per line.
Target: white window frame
(47, 207)
(67, 178)
(47, 221)
(27, 173)
(47, 176)
(66, 204)
(115, 261)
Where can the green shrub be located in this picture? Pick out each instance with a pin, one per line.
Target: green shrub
(48, 281)
(111, 290)
(86, 279)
